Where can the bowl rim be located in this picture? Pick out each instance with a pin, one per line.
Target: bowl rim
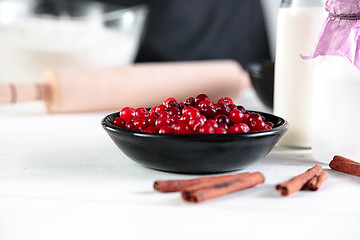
(107, 125)
(259, 72)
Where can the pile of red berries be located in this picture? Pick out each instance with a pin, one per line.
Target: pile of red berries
(197, 115)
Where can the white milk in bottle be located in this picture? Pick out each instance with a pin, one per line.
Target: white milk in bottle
(336, 109)
(298, 26)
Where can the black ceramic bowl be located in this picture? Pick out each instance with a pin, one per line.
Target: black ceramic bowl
(196, 153)
(262, 78)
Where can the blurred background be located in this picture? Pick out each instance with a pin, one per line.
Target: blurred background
(37, 34)
(208, 29)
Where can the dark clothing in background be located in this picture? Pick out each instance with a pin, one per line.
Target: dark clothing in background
(180, 30)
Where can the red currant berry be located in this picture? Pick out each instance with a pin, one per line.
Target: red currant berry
(164, 114)
(203, 118)
(192, 112)
(155, 114)
(241, 108)
(208, 111)
(236, 116)
(267, 127)
(205, 129)
(127, 113)
(212, 123)
(129, 125)
(257, 125)
(160, 108)
(197, 121)
(200, 98)
(185, 119)
(141, 113)
(244, 127)
(239, 128)
(169, 100)
(119, 122)
(223, 119)
(150, 129)
(232, 107)
(150, 121)
(245, 119)
(253, 116)
(190, 101)
(162, 121)
(140, 123)
(152, 110)
(220, 131)
(166, 130)
(223, 125)
(174, 118)
(205, 102)
(172, 104)
(270, 124)
(180, 128)
(225, 100)
(231, 129)
(217, 116)
(222, 108)
(173, 111)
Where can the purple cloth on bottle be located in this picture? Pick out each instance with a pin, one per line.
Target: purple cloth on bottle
(341, 32)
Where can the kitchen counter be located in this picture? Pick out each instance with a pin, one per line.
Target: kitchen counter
(62, 177)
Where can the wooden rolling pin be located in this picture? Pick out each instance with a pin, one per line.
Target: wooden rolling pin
(146, 85)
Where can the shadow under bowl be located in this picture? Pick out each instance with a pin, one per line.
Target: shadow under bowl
(262, 78)
(196, 153)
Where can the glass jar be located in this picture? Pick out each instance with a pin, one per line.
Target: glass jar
(336, 90)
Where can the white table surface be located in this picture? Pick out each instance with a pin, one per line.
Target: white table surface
(62, 177)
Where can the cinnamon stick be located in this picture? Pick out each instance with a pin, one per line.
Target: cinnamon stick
(297, 183)
(202, 192)
(315, 183)
(176, 185)
(345, 165)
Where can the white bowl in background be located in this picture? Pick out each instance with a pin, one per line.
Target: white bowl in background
(37, 35)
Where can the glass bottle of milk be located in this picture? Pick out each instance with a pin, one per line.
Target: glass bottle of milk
(299, 23)
(336, 89)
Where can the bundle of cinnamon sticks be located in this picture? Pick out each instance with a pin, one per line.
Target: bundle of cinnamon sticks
(201, 189)
(312, 179)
